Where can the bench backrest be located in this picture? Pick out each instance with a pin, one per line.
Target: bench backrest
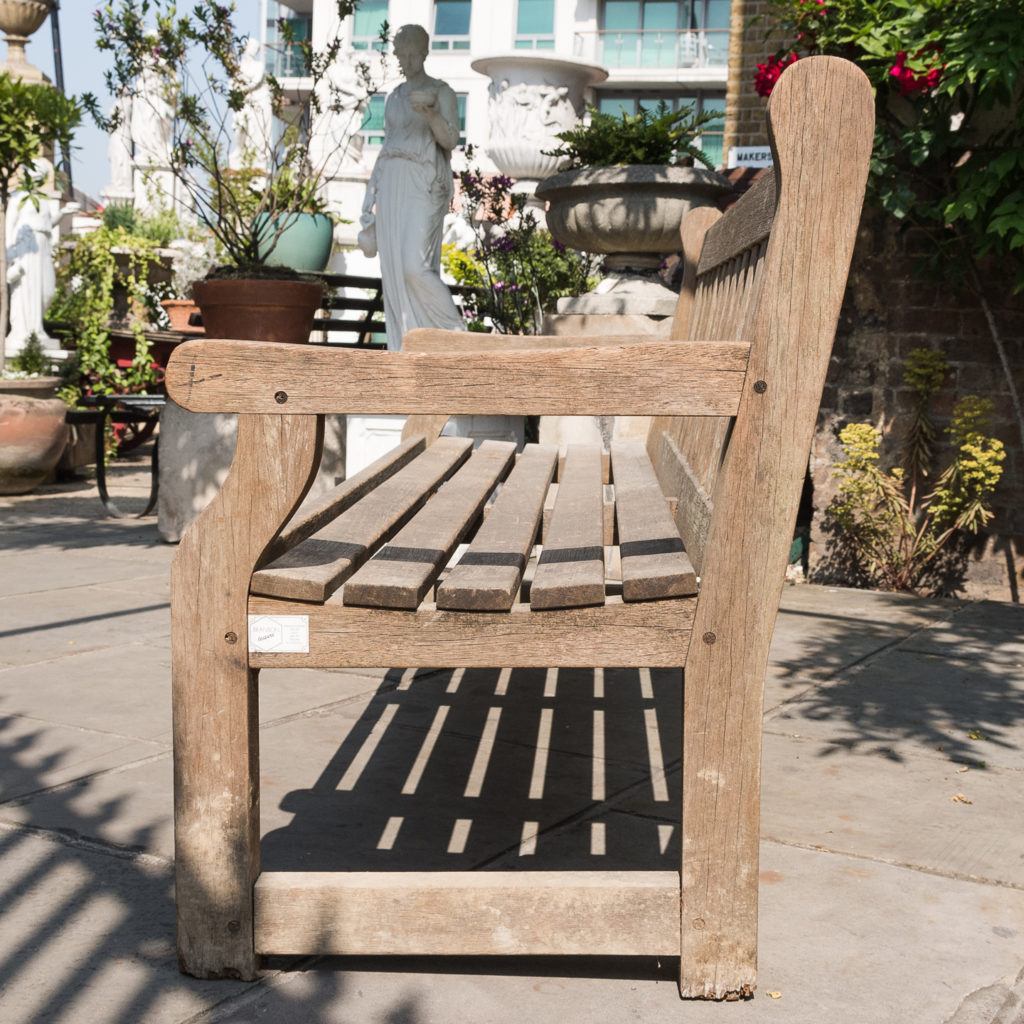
(771, 271)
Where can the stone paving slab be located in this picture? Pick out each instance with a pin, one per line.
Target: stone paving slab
(121, 689)
(37, 755)
(51, 624)
(943, 707)
(925, 812)
(88, 937)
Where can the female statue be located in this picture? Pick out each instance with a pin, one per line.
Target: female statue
(409, 193)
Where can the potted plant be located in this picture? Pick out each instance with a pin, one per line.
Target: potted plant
(630, 180)
(32, 429)
(248, 201)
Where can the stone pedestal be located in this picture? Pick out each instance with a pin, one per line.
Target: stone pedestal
(195, 454)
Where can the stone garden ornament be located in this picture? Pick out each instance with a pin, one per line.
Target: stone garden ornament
(409, 192)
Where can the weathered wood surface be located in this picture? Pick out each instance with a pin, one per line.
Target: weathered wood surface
(691, 233)
(402, 572)
(821, 125)
(463, 913)
(315, 517)
(694, 507)
(488, 576)
(629, 380)
(429, 339)
(654, 564)
(615, 635)
(314, 569)
(570, 570)
(783, 296)
(749, 225)
(214, 699)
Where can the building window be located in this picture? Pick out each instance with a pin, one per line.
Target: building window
(451, 25)
(664, 33)
(535, 25)
(461, 97)
(710, 140)
(366, 25)
(372, 128)
(285, 60)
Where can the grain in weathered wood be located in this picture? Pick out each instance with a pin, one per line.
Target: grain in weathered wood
(462, 913)
(315, 517)
(744, 229)
(649, 378)
(429, 339)
(615, 635)
(654, 564)
(489, 573)
(314, 569)
(401, 573)
(214, 694)
(821, 175)
(692, 231)
(607, 518)
(570, 570)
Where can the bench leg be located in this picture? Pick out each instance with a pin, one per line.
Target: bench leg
(721, 823)
(214, 693)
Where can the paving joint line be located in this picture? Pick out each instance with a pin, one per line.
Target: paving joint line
(81, 780)
(88, 844)
(957, 876)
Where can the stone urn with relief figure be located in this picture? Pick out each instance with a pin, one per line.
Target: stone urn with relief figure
(530, 101)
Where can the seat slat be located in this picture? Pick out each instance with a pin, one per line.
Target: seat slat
(400, 575)
(570, 571)
(313, 517)
(488, 575)
(314, 569)
(654, 564)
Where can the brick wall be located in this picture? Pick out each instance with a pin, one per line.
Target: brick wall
(888, 312)
(744, 109)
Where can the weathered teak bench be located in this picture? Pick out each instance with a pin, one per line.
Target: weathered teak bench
(734, 407)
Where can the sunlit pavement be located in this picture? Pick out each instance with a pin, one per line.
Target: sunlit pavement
(892, 853)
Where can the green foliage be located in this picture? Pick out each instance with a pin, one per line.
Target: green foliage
(88, 288)
(32, 360)
(33, 117)
(516, 271)
(949, 143)
(661, 136)
(199, 54)
(923, 373)
(895, 536)
(160, 228)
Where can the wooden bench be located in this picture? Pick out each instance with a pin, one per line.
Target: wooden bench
(710, 499)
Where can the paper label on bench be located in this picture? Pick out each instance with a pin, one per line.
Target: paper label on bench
(279, 634)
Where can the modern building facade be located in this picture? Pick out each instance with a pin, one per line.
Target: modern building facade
(671, 51)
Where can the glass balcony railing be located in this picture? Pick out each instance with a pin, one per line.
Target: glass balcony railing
(284, 60)
(659, 48)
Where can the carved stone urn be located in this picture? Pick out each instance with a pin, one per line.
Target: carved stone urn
(531, 100)
(631, 214)
(18, 20)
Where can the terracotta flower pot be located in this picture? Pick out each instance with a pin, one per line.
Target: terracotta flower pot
(32, 437)
(178, 311)
(258, 309)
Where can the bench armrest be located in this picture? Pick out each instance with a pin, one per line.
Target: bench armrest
(647, 379)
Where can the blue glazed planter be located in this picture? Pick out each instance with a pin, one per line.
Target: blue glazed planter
(305, 243)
